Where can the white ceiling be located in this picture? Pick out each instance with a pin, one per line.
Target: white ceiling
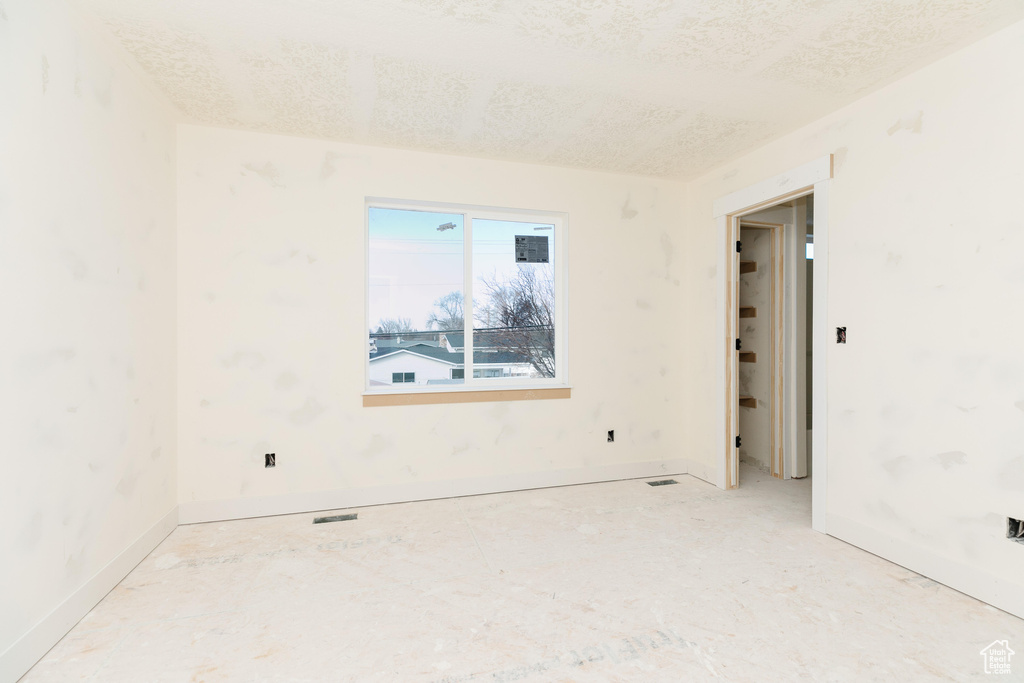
(657, 87)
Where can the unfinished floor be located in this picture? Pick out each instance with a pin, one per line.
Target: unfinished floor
(606, 582)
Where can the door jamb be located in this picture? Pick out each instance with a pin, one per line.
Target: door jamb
(810, 178)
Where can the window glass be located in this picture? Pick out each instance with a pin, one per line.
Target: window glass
(462, 296)
(415, 293)
(514, 298)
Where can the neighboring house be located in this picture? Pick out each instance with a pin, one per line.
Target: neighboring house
(413, 365)
(426, 364)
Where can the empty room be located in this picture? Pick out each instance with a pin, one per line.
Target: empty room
(493, 340)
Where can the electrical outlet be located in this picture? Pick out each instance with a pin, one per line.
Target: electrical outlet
(611, 435)
(270, 460)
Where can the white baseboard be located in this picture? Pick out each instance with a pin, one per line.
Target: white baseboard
(192, 512)
(27, 650)
(961, 577)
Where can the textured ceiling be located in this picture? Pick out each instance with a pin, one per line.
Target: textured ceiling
(656, 87)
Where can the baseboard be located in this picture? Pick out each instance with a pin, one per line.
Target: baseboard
(959, 576)
(192, 512)
(27, 650)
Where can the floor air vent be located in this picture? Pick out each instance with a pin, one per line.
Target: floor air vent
(335, 518)
(662, 482)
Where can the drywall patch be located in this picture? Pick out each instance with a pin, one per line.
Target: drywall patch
(79, 268)
(307, 413)
(912, 123)
(268, 173)
(3, 14)
(32, 532)
(950, 458)
(1011, 476)
(46, 73)
(1019, 405)
(37, 363)
(127, 483)
(839, 158)
(249, 359)
(285, 381)
(327, 168)
(667, 249)
(378, 446)
(628, 212)
(896, 467)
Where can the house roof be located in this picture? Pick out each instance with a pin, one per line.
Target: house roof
(454, 358)
(432, 352)
(488, 338)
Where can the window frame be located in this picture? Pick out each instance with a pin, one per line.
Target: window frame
(471, 212)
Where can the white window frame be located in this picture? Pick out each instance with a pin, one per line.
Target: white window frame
(471, 212)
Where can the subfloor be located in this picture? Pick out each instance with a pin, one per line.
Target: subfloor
(605, 582)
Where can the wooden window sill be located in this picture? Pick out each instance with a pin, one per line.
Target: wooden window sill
(373, 400)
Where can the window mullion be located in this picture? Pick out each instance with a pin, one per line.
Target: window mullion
(467, 306)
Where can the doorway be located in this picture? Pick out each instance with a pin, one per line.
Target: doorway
(772, 330)
(749, 205)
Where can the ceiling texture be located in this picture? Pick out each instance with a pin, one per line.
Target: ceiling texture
(666, 88)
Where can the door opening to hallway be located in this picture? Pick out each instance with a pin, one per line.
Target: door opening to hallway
(773, 347)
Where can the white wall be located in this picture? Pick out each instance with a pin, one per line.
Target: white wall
(926, 400)
(272, 336)
(87, 349)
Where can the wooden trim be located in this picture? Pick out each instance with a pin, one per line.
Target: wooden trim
(748, 357)
(362, 494)
(24, 652)
(435, 397)
(748, 267)
(748, 311)
(732, 418)
(747, 401)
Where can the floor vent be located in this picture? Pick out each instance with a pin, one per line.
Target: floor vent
(662, 482)
(1015, 529)
(335, 518)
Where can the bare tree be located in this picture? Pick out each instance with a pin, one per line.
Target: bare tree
(448, 314)
(393, 325)
(520, 315)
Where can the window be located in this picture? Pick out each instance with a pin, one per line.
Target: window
(472, 298)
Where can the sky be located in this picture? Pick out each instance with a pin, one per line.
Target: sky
(413, 263)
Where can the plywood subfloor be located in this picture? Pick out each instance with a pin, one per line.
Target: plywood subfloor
(607, 582)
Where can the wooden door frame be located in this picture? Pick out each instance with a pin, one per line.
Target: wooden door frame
(811, 178)
(776, 355)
